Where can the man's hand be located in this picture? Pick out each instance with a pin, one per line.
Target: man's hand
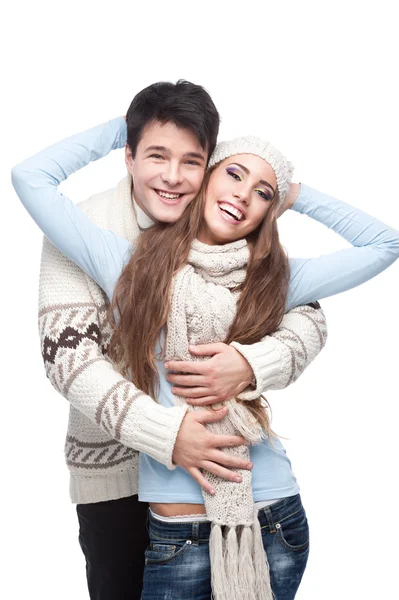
(197, 448)
(223, 376)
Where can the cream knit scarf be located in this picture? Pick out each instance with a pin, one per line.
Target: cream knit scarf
(203, 306)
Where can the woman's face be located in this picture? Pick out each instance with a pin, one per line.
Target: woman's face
(239, 194)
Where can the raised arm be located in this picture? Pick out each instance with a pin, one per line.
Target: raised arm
(99, 252)
(375, 247)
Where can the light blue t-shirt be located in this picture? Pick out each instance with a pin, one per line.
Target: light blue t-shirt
(272, 475)
(102, 255)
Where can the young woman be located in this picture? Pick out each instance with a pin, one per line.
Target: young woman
(217, 274)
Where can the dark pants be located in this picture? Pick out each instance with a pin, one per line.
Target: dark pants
(113, 537)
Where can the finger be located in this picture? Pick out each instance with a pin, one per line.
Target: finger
(202, 401)
(220, 471)
(226, 441)
(188, 380)
(230, 461)
(210, 416)
(200, 479)
(206, 349)
(184, 366)
(190, 392)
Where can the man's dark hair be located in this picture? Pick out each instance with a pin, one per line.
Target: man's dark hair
(185, 104)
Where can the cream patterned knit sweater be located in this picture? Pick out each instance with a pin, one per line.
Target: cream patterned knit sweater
(110, 420)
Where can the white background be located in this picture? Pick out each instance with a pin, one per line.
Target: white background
(319, 79)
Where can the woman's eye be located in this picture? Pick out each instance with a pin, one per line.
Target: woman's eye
(263, 195)
(235, 175)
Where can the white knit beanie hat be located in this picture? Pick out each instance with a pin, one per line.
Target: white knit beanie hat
(250, 144)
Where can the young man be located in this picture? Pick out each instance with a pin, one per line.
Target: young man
(171, 132)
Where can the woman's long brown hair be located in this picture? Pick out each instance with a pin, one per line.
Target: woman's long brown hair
(140, 305)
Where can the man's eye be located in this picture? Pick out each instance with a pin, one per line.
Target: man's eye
(193, 162)
(157, 156)
(235, 175)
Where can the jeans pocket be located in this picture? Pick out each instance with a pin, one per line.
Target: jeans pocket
(293, 531)
(160, 552)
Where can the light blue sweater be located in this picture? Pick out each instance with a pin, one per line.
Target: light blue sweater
(102, 254)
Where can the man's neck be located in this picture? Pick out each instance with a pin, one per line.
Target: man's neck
(143, 220)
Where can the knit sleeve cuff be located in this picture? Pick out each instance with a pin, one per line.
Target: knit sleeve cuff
(265, 359)
(279, 359)
(152, 429)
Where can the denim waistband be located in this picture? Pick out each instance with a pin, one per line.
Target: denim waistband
(270, 516)
(195, 531)
(198, 531)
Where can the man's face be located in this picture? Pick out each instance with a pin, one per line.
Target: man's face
(167, 170)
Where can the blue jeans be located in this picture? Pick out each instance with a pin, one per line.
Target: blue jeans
(177, 563)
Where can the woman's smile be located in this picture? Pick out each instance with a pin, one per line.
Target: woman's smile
(239, 194)
(230, 212)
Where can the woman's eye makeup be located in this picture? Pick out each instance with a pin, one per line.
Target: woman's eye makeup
(235, 174)
(266, 195)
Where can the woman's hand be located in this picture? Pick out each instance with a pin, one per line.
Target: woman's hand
(290, 198)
